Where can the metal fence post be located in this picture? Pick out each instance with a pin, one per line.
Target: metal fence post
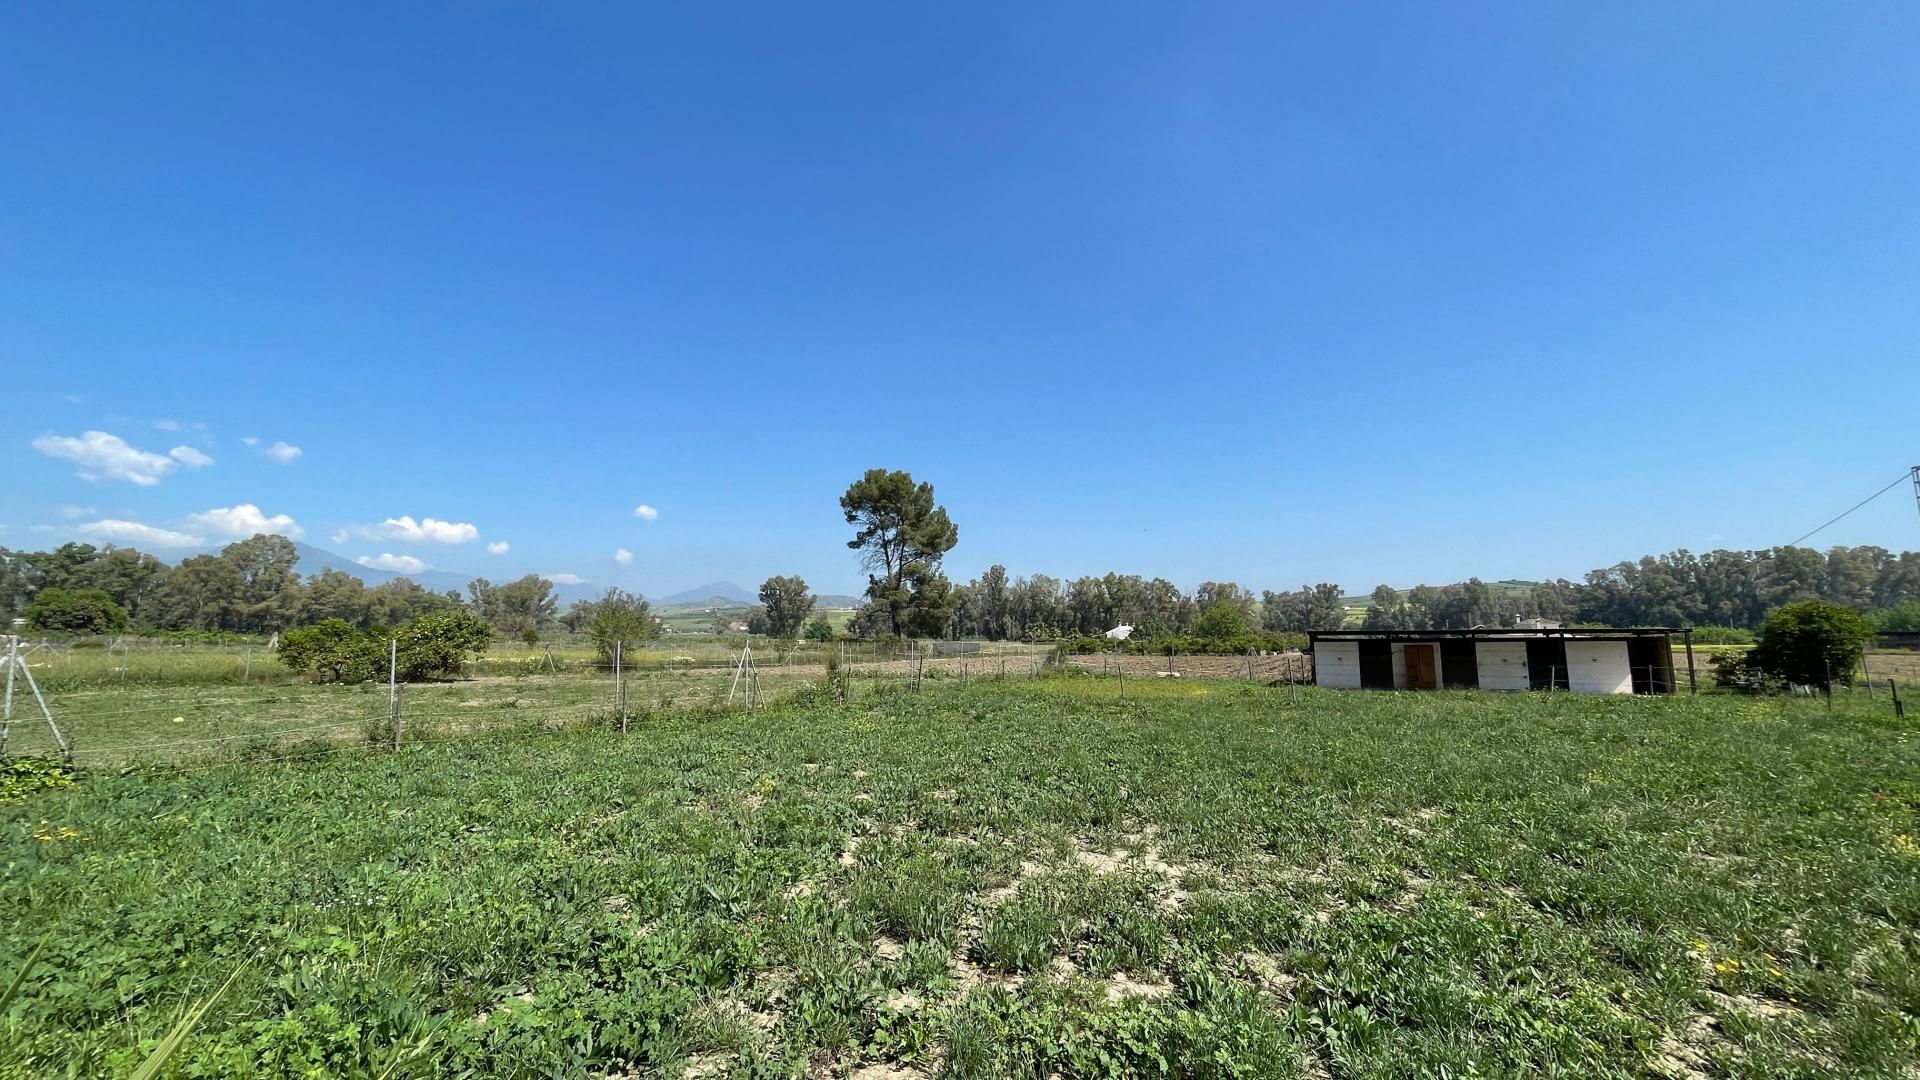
(619, 687)
(393, 690)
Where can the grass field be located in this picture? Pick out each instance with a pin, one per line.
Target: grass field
(1030, 878)
(184, 704)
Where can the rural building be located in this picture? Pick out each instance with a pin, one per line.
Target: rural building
(1584, 660)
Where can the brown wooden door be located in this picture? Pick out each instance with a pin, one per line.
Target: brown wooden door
(1420, 667)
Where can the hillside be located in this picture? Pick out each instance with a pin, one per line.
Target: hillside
(712, 594)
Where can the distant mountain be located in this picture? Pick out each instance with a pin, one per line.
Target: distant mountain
(726, 592)
(313, 560)
(835, 600)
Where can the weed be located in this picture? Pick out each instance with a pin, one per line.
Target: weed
(1017, 878)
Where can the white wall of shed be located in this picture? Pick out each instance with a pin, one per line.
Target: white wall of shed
(1337, 664)
(1503, 665)
(1598, 667)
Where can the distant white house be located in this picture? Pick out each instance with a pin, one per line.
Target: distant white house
(1584, 660)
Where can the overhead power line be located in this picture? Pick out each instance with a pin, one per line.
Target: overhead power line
(1897, 481)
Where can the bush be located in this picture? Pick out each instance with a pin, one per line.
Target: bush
(430, 646)
(23, 776)
(437, 645)
(1812, 642)
(332, 651)
(1721, 635)
(1223, 628)
(75, 611)
(1898, 617)
(623, 619)
(818, 629)
(1733, 671)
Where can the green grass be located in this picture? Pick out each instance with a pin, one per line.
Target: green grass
(1019, 879)
(189, 703)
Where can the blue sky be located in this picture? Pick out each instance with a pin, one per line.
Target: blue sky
(1358, 293)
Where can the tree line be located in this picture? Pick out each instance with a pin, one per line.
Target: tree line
(252, 587)
(1720, 588)
(249, 587)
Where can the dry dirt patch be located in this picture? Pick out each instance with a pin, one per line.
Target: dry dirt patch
(1123, 986)
(1273, 977)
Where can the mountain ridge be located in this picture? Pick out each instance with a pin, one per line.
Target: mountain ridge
(733, 594)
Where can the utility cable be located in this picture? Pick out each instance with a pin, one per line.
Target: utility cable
(1901, 479)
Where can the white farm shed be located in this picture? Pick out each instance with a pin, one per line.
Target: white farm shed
(1583, 660)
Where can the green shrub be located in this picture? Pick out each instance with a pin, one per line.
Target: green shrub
(22, 776)
(620, 619)
(332, 651)
(75, 611)
(1812, 642)
(201, 637)
(431, 646)
(1733, 670)
(1721, 635)
(436, 645)
(1898, 617)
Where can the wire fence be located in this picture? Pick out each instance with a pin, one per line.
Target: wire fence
(264, 715)
(227, 701)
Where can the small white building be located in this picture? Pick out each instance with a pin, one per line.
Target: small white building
(1584, 660)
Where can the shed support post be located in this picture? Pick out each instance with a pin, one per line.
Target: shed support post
(1693, 682)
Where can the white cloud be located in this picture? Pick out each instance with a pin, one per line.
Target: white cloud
(565, 579)
(498, 547)
(405, 564)
(72, 513)
(622, 556)
(250, 440)
(282, 452)
(104, 456)
(132, 532)
(341, 536)
(424, 531)
(167, 425)
(75, 399)
(646, 513)
(246, 520)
